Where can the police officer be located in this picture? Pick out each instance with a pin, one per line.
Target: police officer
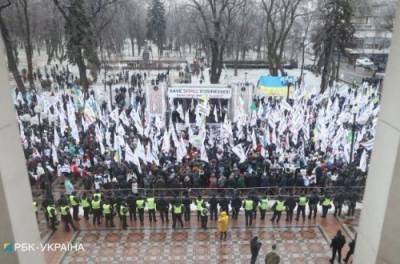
(85, 203)
(74, 202)
(35, 209)
(44, 205)
(151, 208)
(97, 194)
(66, 217)
(177, 209)
(301, 207)
(204, 217)
(290, 204)
(326, 204)
(248, 210)
(124, 214)
(162, 206)
(263, 206)
(338, 201)
(278, 207)
(213, 202)
(313, 205)
(131, 202)
(140, 204)
(199, 202)
(52, 214)
(108, 213)
(352, 200)
(236, 204)
(96, 210)
(186, 202)
(256, 200)
(223, 205)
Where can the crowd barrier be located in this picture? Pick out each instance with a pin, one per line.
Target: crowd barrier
(271, 192)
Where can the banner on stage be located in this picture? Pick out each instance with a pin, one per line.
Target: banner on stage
(199, 92)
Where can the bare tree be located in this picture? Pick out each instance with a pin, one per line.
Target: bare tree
(280, 16)
(217, 19)
(9, 45)
(26, 31)
(242, 33)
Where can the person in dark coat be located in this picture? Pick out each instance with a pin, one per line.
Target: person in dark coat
(213, 202)
(337, 244)
(255, 246)
(290, 204)
(186, 204)
(313, 205)
(236, 204)
(338, 201)
(352, 246)
(163, 208)
(223, 204)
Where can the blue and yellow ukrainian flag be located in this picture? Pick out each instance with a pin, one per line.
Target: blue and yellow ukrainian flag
(273, 85)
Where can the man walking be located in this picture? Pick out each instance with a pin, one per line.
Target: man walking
(254, 248)
(337, 244)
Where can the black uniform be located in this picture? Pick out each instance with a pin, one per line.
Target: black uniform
(162, 208)
(352, 200)
(223, 205)
(186, 203)
(236, 204)
(313, 205)
(290, 204)
(213, 202)
(338, 203)
(131, 203)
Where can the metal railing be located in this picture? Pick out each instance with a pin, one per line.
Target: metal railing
(271, 192)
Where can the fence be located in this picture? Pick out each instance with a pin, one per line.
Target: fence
(271, 192)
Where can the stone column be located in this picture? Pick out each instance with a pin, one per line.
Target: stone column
(17, 218)
(378, 238)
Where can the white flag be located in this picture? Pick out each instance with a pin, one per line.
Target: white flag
(238, 150)
(363, 161)
(131, 157)
(203, 154)
(54, 154)
(56, 137)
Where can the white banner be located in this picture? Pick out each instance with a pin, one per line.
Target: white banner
(199, 91)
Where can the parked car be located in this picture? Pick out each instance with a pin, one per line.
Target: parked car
(364, 62)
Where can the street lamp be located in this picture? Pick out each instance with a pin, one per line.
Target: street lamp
(354, 128)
